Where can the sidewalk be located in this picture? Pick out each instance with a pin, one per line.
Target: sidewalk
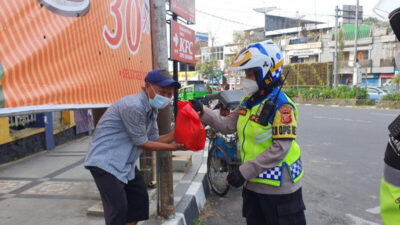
(53, 187)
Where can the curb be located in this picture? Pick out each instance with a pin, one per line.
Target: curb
(194, 199)
(345, 106)
(191, 194)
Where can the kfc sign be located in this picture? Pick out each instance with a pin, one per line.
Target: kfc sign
(182, 43)
(184, 9)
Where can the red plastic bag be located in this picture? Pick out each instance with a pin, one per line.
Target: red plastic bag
(188, 128)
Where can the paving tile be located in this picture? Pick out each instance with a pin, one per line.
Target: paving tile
(30, 168)
(7, 186)
(47, 212)
(78, 172)
(84, 189)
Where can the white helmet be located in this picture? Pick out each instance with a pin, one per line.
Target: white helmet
(265, 57)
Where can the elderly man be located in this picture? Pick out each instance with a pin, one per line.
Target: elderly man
(126, 128)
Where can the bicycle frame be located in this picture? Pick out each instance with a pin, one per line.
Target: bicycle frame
(227, 144)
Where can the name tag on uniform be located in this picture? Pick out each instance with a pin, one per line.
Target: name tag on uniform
(242, 111)
(254, 118)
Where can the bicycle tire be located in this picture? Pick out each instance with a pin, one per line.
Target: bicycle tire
(217, 164)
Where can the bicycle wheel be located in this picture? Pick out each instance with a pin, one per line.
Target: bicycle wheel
(218, 170)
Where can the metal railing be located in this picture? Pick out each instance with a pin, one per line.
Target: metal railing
(21, 120)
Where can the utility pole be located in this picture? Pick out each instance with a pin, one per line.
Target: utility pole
(355, 76)
(175, 71)
(165, 200)
(335, 57)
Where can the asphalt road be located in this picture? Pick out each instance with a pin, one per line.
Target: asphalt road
(343, 150)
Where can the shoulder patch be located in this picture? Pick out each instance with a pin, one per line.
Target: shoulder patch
(286, 113)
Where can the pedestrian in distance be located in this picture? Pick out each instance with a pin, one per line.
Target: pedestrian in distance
(266, 123)
(126, 128)
(390, 184)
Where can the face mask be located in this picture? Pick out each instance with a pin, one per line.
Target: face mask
(159, 102)
(249, 86)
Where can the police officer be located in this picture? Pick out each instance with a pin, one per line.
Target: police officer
(266, 123)
(390, 184)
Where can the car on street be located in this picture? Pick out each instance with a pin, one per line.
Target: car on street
(375, 93)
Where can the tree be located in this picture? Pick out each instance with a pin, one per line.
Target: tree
(396, 80)
(373, 21)
(240, 41)
(341, 48)
(209, 68)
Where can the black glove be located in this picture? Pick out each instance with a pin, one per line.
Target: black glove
(197, 105)
(236, 178)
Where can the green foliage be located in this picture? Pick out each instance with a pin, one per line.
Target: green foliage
(291, 92)
(395, 96)
(396, 80)
(373, 21)
(310, 93)
(208, 68)
(342, 92)
(197, 222)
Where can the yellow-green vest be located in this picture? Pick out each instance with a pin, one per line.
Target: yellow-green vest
(255, 138)
(390, 196)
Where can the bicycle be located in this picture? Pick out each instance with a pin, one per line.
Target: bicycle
(223, 158)
(223, 152)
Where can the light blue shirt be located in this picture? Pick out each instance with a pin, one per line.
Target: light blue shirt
(128, 123)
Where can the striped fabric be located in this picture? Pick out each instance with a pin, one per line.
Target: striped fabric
(49, 59)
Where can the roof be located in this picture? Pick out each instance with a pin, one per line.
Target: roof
(296, 29)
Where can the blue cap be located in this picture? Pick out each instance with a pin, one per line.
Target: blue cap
(161, 78)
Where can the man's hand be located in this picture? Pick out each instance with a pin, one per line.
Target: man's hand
(166, 138)
(236, 178)
(178, 146)
(197, 105)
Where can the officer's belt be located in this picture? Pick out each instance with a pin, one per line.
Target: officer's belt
(391, 175)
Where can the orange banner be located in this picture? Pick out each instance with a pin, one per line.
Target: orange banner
(67, 52)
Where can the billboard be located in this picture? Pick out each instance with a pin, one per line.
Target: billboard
(349, 14)
(182, 43)
(73, 52)
(184, 9)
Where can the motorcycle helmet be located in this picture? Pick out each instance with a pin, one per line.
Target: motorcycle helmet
(266, 61)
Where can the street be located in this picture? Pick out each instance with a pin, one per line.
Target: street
(342, 151)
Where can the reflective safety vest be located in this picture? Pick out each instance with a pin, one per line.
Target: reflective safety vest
(390, 196)
(255, 138)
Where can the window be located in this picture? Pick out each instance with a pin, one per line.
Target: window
(200, 88)
(361, 55)
(188, 90)
(346, 56)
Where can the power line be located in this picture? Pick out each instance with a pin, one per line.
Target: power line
(225, 19)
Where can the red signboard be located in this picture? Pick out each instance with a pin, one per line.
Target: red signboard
(182, 43)
(386, 75)
(184, 9)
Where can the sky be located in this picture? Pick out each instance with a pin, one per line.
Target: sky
(244, 17)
